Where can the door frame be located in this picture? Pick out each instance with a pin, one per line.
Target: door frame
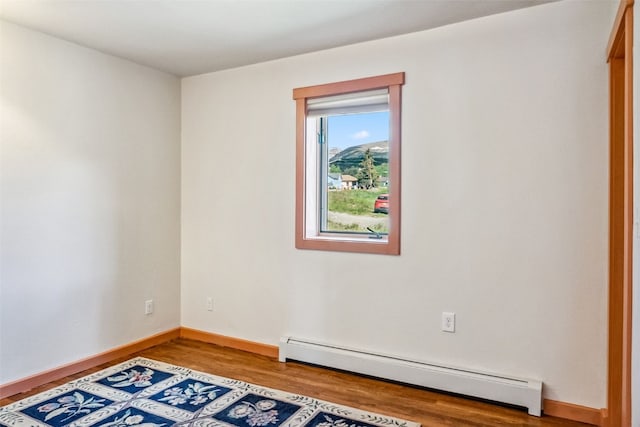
(620, 59)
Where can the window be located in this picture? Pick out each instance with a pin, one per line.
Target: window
(348, 165)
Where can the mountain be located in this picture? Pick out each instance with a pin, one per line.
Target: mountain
(353, 155)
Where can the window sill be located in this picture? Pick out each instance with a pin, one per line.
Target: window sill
(349, 244)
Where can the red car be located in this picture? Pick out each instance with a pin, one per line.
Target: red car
(381, 204)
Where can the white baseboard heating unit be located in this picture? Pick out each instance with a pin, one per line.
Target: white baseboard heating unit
(498, 388)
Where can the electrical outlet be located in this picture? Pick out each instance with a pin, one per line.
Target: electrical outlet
(148, 306)
(448, 322)
(209, 304)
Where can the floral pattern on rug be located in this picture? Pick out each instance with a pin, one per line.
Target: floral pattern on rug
(63, 410)
(135, 417)
(134, 379)
(254, 410)
(147, 393)
(191, 395)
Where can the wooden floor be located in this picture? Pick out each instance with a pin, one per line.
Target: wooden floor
(425, 407)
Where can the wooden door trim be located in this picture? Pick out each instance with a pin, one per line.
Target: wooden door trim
(620, 58)
(617, 23)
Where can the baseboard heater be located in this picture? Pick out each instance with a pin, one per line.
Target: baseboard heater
(515, 391)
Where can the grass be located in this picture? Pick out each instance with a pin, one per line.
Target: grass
(337, 226)
(358, 203)
(355, 202)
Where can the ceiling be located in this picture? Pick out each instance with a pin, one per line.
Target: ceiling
(188, 37)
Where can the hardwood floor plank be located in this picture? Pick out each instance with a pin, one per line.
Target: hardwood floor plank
(429, 408)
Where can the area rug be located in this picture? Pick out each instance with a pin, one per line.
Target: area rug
(147, 393)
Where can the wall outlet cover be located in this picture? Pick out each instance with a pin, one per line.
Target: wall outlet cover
(448, 321)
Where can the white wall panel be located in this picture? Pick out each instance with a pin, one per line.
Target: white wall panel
(504, 220)
(90, 202)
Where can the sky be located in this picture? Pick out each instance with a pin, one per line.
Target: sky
(355, 129)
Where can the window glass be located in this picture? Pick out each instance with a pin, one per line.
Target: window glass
(356, 163)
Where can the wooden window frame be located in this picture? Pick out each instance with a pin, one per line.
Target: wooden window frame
(361, 244)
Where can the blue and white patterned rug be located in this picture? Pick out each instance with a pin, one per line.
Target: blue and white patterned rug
(146, 393)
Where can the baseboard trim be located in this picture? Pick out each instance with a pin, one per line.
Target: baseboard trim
(42, 378)
(572, 412)
(225, 341)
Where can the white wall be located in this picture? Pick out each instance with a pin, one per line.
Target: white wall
(90, 202)
(505, 130)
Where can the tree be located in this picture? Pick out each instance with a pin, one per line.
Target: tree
(367, 174)
(334, 169)
(383, 169)
(353, 171)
